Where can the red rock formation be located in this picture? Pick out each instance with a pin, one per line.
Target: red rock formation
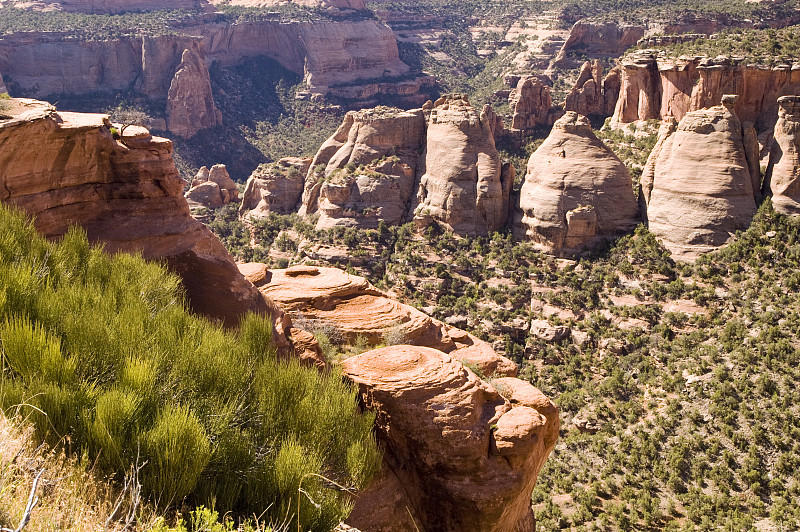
(576, 191)
(593, 95)
(700, 188)
(67, 169)
(190, 103)
(459, 455)
(370, 177)
(657, 87)
(354, 308)
(212, 188)
(600, 38)
(782, 180)
(530, 104)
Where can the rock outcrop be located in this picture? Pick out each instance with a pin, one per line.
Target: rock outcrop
(3, 89)
(655, 87)
(782, 180)
(608, 39)
(701, 191)
(275, 188)
(190, 102)
(576, 191)
(592, 94)
(371, 174)
(530, 104)
(67, 169)
(353, 308)
(212, 188)
(460, 185)
(438, 163)
(459, 456)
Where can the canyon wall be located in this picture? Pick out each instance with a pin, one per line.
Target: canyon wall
(354, 60)
(655, 87)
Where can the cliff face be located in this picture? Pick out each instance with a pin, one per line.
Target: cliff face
(67, 169)
(698, 186)
(576, 191)
(3, 88)
(530, 103)
(782, 180)
(655, 87)
(337, 57)
(593, 94)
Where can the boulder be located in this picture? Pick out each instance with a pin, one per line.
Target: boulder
(190, 102)
(782, 180)
(356, 309)
(275, 187)
(576, 191)
(543, 330)
(207, 194)
(465, 458)
(460, 184)
(700, 188)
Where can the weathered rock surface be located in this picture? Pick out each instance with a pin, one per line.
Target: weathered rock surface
(782, 180)
(212, 188)
(701, 191)
(600, 38)
(576, 191)
(438, 163)
(466, 457)
(66, 169)
(331, 55)
(190, 102)
(275, 188)
(369, 169)
(3, 88)
(530, 103)
(592, 94)
(655, 87)
(460, 184)
(355, 308)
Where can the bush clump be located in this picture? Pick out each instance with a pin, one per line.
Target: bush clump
(101, 352)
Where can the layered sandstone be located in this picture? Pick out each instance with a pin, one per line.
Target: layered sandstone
(576, 191)
(370, 176)
(608, 39)
(68, 169)
(212, 188)
(782, 180)
(190, 102)
(356, 309)
(275, 188)
(700, 187)
(654, 86)
(459, 456)
(530, 104)
(461, 183)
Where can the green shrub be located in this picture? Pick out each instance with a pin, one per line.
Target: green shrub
(101, 349)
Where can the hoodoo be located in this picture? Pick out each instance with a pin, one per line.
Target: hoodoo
(576, 191)
(701, 191)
